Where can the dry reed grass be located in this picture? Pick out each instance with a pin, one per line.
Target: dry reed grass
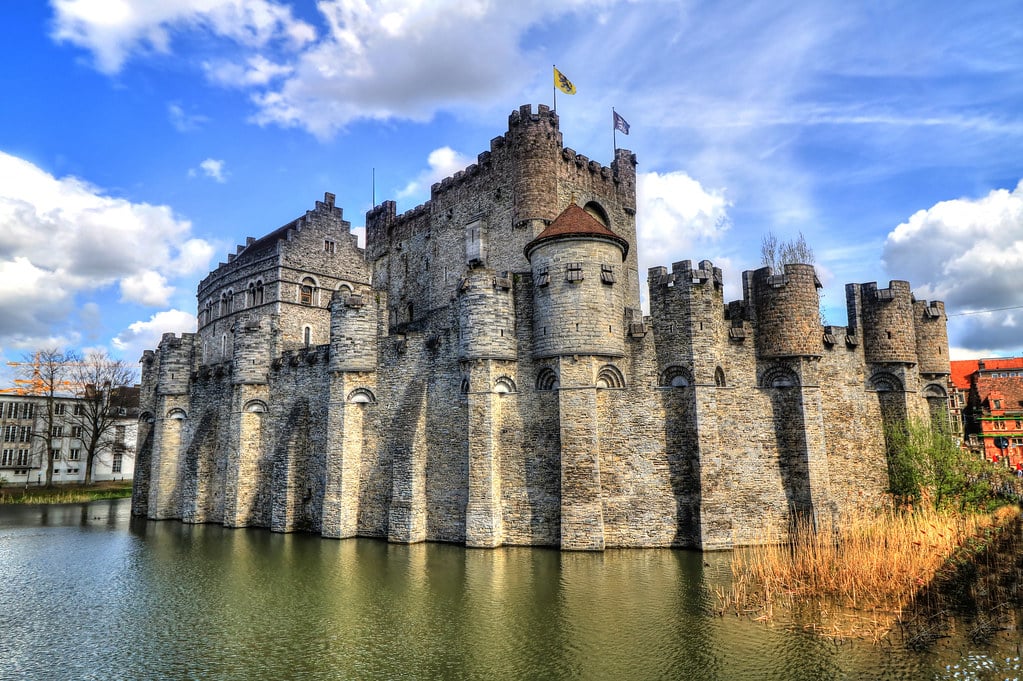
(854, 579)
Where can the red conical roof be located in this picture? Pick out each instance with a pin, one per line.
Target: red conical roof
(576, 222)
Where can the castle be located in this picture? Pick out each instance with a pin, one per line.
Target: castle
(481, 373)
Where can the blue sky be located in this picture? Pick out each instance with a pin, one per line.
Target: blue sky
(140, 141)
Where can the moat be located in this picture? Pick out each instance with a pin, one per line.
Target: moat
(88, 592)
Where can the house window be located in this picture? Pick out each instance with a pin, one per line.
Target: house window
(10, 433)
(79, 410)
(998, 404)
(22, 459)
(607, 274)
(115, 467)
(305, 296)
(55, 454)
(28, 411)
(74, 454)
(25, 434)
(8, 458)
(12, 410)
(574, 271)
(76, 431)
(58, 431)
(543, 276)
(328, 246)
(119, 433)
(59, 409)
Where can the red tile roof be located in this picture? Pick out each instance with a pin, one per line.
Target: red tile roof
(574, 221)
(962, 368)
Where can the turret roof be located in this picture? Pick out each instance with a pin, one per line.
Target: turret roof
(576, 222)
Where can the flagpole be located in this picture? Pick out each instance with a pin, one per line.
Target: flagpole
(614, 134)
(554, 87)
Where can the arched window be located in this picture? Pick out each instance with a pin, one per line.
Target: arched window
(230, 301)
(259, 292)
(255, 407)
(177, 414)
(676, 377)
(547, 379)
(223, 346)
(779, 377)
(719, 377)
(362, 396)
(224, 309)
(411, 312)
(598, 212)
(885, 382)
(252, 295)
(504, 385)
(306, 292)
(307, 336)
(610, 376)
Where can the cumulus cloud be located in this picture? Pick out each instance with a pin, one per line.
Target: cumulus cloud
(115, 29)
(443, 162)
(61, 237)
(256, 71)
(145, 335)
(969, 253)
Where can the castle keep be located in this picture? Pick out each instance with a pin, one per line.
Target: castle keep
(481, 373)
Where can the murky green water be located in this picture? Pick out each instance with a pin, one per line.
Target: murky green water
(88, 593)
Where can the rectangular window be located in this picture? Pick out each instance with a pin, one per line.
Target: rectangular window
(58, 431)
(59, 409)
(328, 246)
(10, 433)
(55, 454)
(25, 434)
(79, 409)
(74, 455)
(115, 467)
(543, 276)
(8, 458)
(12, 410)
(28, 410)
(574, 271)
(76, 431)
(119, 433)
(22, 458)
(607, 274)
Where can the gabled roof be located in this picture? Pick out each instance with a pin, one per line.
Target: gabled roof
(576, 222)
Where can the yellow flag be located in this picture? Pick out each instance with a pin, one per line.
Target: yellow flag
(563, 83)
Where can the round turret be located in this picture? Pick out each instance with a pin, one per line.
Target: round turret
(175, 367)
(888, 328)
(578, 287)
(486, 316)
(787, 310)
(931, 337)
(535, 142)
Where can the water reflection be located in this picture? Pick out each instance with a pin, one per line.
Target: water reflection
(136, 599)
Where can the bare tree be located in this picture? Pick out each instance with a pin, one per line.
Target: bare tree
(46, 374)
(776, 256)
(105, 393)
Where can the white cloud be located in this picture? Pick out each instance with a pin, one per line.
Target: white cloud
(61, 237)
(443, 162)
(146, 335)
(969, 253)
(146, 288)
(114, 30)
(257, 71)
(214, 168)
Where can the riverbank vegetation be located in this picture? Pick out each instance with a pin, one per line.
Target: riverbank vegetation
(65, 494)
(860, 576)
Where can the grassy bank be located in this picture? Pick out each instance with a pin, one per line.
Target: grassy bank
(859, 578)
(65, 494)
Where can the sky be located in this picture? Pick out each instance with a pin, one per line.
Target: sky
(141, 141)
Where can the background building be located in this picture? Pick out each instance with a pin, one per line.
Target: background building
(989, 395)
(25, 455)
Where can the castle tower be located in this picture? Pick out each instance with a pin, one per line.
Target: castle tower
(175, 362)
(535, 141)
(578, 313)
(357, 320)
(487, 348)
(930, 326)
(691, 336)
(789, 344)
(888, 323)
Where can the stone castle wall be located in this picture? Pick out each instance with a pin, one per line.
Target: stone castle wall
(479, 392)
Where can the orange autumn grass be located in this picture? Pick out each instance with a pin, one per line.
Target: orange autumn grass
(875, 564)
